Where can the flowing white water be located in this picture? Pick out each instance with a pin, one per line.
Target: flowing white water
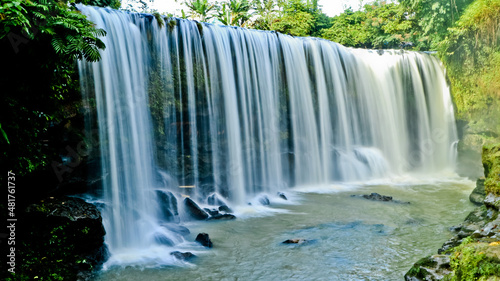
(197, 108)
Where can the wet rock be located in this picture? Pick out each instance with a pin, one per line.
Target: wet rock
(186, 256)
(431, 268)
(478, 194)
(168, 206)
(163, 240)
(492, 201)
(222, 217)
(194, 210)
(378, 197)
(211, 212)
(215, 200)
(282, 195)
(225, 209)
(296, 241)
(204, 240)
(451, 243)
(182, 230)
(264, 200)
(490, 229)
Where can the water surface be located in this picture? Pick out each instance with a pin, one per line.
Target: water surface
(351, 238)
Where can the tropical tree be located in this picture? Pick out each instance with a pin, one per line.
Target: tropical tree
(266, 13)
(433, 18)
(200, 9)
(39, 41)
(234, 12)
(295, 17)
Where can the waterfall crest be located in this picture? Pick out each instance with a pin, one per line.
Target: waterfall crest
(240, 112)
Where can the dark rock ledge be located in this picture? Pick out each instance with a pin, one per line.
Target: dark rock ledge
(60, 237)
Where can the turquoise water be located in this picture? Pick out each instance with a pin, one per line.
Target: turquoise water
(351, 238)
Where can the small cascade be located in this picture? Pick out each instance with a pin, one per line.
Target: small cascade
(195, 109)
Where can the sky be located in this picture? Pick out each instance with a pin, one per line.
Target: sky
(329, 7)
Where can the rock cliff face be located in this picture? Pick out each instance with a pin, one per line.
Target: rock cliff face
(60, 238)
(473, 253)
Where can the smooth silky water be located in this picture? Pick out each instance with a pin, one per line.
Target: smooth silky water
(351, 238)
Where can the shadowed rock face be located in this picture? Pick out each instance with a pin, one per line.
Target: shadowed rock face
(67, 229)
(204, 240)
(194, 210)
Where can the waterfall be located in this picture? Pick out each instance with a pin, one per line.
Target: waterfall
(195, 109)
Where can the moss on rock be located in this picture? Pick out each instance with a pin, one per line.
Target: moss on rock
(491, 164)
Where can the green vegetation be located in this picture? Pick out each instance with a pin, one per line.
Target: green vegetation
(471, 52)
(491, 164)
(474, 261)
(40, 41)
(379, 26)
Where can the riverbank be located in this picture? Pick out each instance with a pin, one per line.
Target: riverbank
(473, 253)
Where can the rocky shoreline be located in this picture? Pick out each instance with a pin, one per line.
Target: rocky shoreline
(473, 253)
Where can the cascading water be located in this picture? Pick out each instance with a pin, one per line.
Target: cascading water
(240, 112)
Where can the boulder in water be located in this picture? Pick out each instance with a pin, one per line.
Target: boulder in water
(183, 256)
(378, 197)
(297, 241)
(204, 240)
(194, 210)
(282, 195)
(263, 200)
(168, 205)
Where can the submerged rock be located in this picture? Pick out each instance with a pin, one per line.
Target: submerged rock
(378, 197)
(204, 240)
(182, 230)
(194, 210)
(297, 241)
(282, 195)
(183, 256)
(163, 240)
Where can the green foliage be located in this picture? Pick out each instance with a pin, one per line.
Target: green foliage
(40, 41)
(115, 4)
(200, 9)
(234, 12)
(432, 19)
(491, 164)
(379, 25)
(471, 53)
(159, 19)
(470, 261)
